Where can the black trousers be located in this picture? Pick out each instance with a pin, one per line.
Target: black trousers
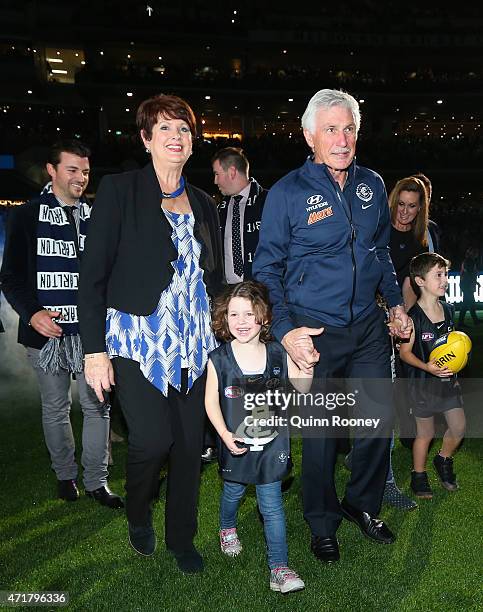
(162, 430)
(361, 351)
(209, 438)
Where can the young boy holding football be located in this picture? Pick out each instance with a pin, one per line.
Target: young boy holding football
(433, 389)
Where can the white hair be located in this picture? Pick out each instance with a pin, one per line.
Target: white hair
(326, 98)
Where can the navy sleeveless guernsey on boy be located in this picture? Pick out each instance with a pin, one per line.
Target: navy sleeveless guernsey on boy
(428, 332)
(431, 394)
(268, 456)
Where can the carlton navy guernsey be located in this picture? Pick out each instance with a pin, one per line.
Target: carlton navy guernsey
(431, 394)
(268, 456)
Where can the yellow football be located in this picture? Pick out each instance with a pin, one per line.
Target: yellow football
(451, 351)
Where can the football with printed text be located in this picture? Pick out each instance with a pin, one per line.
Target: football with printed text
(451, 351)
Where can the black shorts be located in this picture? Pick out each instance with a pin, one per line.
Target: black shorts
(435, 395)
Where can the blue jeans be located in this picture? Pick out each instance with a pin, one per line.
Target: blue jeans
(269, 498)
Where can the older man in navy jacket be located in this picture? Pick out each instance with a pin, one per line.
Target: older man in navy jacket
(323, 253)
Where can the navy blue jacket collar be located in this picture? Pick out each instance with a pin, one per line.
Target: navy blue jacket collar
(322, 172)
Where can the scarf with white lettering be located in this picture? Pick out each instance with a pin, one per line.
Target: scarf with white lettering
(58, 250)
(251, 223)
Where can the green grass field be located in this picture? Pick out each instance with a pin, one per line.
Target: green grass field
(82, 548)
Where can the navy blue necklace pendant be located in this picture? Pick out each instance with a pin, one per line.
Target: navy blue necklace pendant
(174, 194)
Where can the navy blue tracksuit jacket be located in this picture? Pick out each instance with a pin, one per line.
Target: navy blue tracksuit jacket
(323, 252)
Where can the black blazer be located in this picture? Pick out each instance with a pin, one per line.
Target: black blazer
(18, 276)
(127, 259)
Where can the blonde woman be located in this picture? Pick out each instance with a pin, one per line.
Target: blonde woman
(408, 203)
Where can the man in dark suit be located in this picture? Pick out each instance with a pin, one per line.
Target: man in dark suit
(240, 212)
(39, 277)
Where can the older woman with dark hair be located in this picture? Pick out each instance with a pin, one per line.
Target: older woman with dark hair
(408, 203)
(151, 264)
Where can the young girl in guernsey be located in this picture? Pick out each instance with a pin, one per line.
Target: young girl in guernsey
(250, 363)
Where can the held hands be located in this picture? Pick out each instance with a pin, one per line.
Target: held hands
(400, 324)
(433, 369)
(229, 439)
(43, 323)
(306, 343)
(298, 344)
(99, 373)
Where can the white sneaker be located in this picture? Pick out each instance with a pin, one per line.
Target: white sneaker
(229, 542)
(285, 580)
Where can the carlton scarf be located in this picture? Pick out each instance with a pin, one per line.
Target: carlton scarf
(251, 217)
(58, 251)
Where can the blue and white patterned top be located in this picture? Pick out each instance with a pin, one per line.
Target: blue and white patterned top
(178, 333)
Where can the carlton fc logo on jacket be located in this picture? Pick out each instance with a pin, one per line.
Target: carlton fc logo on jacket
(364, 192)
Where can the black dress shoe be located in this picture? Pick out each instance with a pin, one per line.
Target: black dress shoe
(106, 497)
(142, 539)
(67, 489)
(209, 454)
(325, 549)
(189, 561)
(372, 528)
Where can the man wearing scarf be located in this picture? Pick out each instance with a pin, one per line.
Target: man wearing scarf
(240, 212)
(39, 277)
